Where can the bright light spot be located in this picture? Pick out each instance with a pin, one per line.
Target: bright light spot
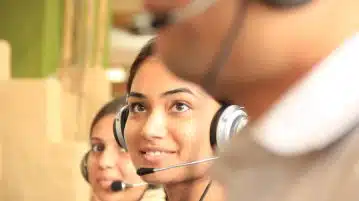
(116, 75)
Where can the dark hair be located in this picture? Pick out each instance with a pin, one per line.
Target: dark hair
(144, 54)
(109, 108)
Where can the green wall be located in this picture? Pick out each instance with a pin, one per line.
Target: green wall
(34, 30)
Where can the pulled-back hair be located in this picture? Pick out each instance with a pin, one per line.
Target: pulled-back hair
(146, 52)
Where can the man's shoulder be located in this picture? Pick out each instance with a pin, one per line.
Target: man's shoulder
(252, 173)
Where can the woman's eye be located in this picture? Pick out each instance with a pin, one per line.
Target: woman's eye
(137, 107)
(180, 107)
(98, 148)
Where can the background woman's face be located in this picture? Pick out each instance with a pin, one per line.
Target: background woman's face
(169, 123)
(108, 162)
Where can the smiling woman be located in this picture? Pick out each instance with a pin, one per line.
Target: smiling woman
(106, 162)
(168, 123)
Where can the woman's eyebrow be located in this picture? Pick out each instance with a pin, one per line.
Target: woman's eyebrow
(166, 93)
(178, 90)
(136, 95)
(96, 139)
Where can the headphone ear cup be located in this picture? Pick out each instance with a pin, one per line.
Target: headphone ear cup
(285, 3)
(119, 126)
(84, 166)
(214, 125)
(227, 122)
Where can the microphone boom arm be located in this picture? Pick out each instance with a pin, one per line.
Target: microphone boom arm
(186, 164)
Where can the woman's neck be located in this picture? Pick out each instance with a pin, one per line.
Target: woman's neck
(192, 190)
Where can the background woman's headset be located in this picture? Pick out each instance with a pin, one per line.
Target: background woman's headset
(227, 121)
(84, 166)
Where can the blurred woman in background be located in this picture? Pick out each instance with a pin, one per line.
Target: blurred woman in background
(107, 162)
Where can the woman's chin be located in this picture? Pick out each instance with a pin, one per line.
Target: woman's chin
(153, 179)
(110, 196)
(161, 178)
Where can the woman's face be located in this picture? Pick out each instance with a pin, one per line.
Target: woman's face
(169, 123)
(108, 163)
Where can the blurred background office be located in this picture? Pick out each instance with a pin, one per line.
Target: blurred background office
(60, 60)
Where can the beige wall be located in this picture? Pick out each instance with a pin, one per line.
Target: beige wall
(127, 5)
(43, 133)
(4, 75)
(4, 60)
(84, 91)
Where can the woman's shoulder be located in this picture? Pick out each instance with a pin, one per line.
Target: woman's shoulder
(157, 194)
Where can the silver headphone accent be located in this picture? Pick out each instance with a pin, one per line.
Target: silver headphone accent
(232, 120)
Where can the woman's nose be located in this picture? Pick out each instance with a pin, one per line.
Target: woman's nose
(155, 125)
(108, 159)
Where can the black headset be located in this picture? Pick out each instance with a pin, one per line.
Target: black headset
(285, 3)
(84, 166)
(227, 121)
(163, 19)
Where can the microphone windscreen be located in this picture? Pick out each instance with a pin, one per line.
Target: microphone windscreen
(117, 186)
(144, 171)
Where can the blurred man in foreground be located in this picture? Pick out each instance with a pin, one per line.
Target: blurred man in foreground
(294, 65)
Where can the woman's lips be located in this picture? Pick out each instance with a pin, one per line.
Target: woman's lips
(156, 157)
(105, 183)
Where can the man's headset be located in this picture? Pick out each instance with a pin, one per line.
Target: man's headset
(227, 121)
(153, 21)
(285, 3)
(84, 165)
